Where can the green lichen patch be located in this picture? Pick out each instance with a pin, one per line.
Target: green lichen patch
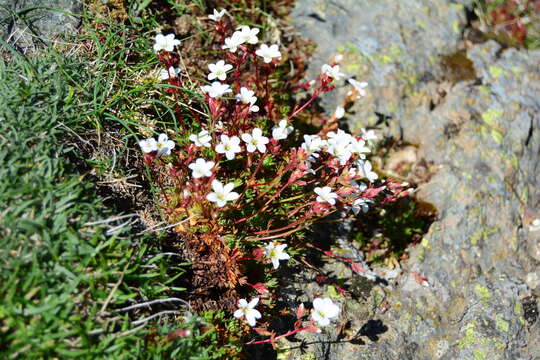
(502, 325)
(497, 71)
(491, 116)
(483, 292)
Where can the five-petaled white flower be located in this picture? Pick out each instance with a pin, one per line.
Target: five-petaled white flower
(359, 147)
(268, 52)
(275, 253)
(165, 42)
(216, 90)
(219, 70)
(365, 169)
(203, 138)
(325, 194)
(282, 130)
(247, 96)
(163, 145)
(201, 168)
(323, 311)
(221, 193)
(171, 72)
(248, 35)
(255, 141)
(361, 204)
(332, 71)
(368, 135)
(148, 145)
(340, 112)
(248, 311)
(313, 143)
(232, 43)
(360, 87)
(217, 15)
(229, 146)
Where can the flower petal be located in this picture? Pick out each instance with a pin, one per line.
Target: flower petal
(253, 303)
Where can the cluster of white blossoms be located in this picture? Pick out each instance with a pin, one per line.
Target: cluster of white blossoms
(230, 146)
(324, 310)
(247, 35)
(341, 145)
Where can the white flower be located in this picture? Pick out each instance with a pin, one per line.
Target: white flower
(248, 35)
(148, 145)
(368, 135)
(332, 71)
(340, 112)
(313, 143)
(255, 141)
(281, 131)
(248, 311)
(359, 187)
(340, 152)
(365, 169)
(276, 253)
(359, 86)
(535, 225)
(201, 168)
(229, 146)
(171, 72)
(221, 193)
(246, 96)
(340, 138)
(339, 145)
(219, 70)
(164, 145)
(232, 43)
(217, 15)
(203, 138)
(268, 53)
(323, 311)
(359, 147)
(326, 195)
(167, 42)
(338, 58)
(216, 90)
(361, 204)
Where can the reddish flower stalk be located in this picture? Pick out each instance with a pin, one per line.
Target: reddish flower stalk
(292, 332)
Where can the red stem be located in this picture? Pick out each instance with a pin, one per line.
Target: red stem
(292, 332)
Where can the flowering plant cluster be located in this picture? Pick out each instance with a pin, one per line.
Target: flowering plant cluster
(241, 180)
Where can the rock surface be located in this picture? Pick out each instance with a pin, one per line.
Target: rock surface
(27, 23)
(470, 290)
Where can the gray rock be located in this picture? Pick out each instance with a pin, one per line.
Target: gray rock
(29, 23)
(393, 45)
(480, 259)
